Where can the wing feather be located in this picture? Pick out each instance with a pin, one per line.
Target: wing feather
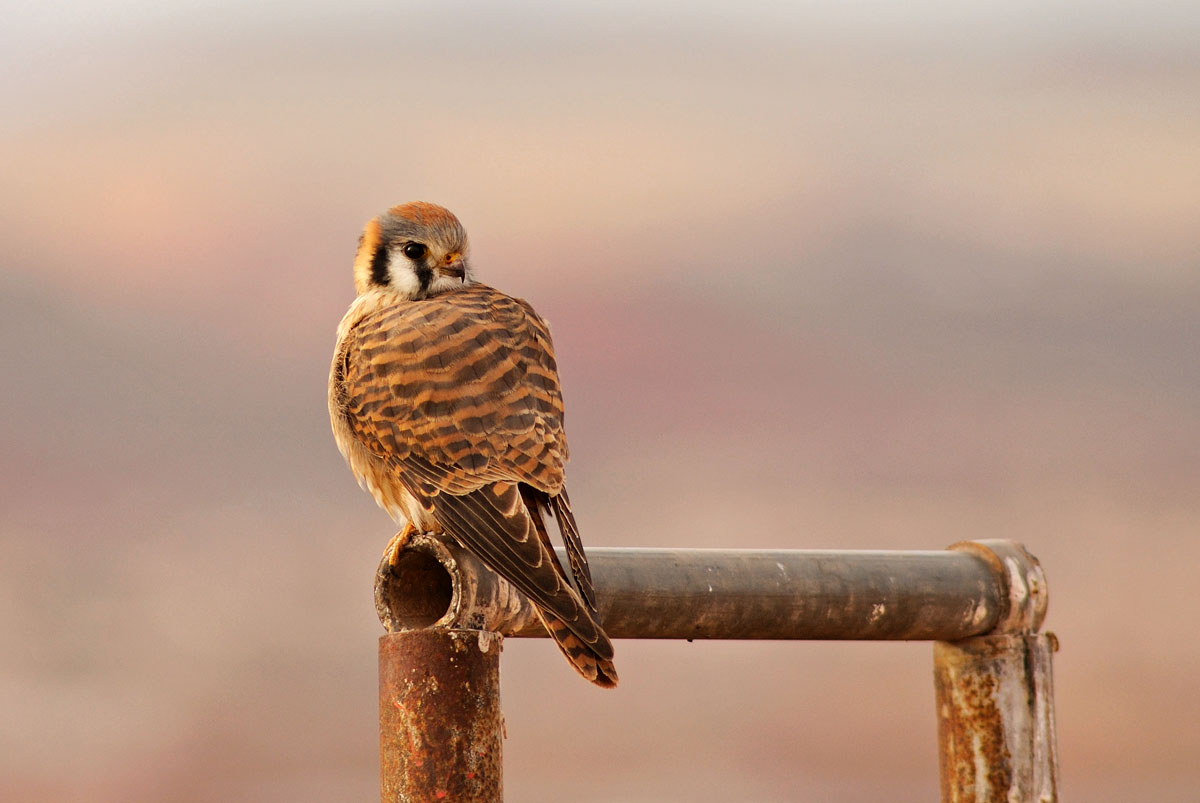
(574, 545)
(522, 558)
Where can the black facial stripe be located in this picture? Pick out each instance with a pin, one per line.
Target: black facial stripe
(379, 264)
(424, 276)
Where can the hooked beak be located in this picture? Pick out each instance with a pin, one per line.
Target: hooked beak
(454, 267)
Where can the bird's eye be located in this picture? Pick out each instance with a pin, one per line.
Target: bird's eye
(414, 250)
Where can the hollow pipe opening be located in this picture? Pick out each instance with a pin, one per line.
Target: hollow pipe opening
(414, 593)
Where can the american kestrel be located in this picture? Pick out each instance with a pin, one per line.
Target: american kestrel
(444, 400)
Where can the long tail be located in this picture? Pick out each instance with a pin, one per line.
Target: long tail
(587, 661)
(580, 572)
(493, 523)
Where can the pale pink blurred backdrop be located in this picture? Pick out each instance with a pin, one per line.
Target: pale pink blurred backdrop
(883, 277)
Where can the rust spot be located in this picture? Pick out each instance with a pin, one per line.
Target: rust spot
(975, 720)
(454, 755)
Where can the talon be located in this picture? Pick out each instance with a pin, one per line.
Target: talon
(397, 544)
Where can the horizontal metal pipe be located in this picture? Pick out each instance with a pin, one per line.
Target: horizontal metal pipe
(793, 594)
(434, 590)
(973, 588)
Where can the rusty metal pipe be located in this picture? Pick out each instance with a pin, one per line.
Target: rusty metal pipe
(995, 698)
(440, 726)
(733, 594)
(791, 594)
(439, 672)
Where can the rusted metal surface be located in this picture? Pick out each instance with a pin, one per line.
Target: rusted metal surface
(436, 583)
(721, 594)
(440, 726)
(996, 736)
(1028, 597)
(982, 601)
(792, 594)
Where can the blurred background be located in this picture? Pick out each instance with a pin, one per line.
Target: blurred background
(820, 276)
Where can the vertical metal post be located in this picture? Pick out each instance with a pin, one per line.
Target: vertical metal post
(996, 719)
(995, 694)
(440, 726)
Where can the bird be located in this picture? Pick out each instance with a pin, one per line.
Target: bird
(445, 401)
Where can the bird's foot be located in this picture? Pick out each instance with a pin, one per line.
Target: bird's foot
(391, 555)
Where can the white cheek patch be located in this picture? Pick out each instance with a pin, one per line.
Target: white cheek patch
(402, 277)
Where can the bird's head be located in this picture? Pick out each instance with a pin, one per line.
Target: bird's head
(417, 249)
